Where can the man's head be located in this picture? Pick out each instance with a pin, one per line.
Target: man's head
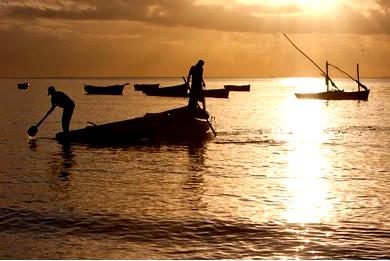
(200, 62)
(51, 90)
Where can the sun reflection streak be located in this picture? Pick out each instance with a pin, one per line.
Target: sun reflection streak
(305, 175)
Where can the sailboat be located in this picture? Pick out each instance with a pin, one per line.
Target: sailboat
(336, 93)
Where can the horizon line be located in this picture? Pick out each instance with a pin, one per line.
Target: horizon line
(231, 77)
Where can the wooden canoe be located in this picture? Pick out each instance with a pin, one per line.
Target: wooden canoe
(146, 86)
(23, 86)
(106, 90)
(182, 90)
(335, 95)
(178, 124)
(238, 88)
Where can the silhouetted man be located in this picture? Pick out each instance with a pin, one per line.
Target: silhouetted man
(62, 100)
(197, 84)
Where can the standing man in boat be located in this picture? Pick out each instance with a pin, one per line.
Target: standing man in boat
(61, 100)
(197, 85)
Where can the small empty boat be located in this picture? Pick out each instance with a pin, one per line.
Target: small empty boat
(238, 88)
(108, 90)
(146, 86)
(23, 86)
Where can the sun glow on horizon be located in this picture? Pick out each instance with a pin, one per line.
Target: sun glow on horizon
(316, 5)
(306, 6)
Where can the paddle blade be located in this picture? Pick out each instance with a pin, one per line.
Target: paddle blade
(32, 131)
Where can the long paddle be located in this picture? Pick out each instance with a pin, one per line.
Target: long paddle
(211, 127)
(33, 130)
(207, 119)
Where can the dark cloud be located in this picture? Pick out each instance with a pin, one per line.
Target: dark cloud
(162, 38)
(230, 17)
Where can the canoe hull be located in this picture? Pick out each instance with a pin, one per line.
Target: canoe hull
(104, 90)
(335, 95)
(238, 88)
(171, 91)
(183, 91)
(216, 93)
(23, 86)
(141, 87)
(173, 125)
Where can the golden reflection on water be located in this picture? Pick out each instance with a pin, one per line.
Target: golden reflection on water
(305, 84)
(305, 176)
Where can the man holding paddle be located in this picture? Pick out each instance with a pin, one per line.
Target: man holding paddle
(61, 100)
(197, 84)
(57, 99)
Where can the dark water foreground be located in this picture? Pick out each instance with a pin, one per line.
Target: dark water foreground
(283, 179)
(97, 235)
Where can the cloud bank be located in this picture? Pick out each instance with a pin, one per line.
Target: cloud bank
(164, 37)
(360, 17)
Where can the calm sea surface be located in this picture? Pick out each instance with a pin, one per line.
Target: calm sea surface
(283, 179)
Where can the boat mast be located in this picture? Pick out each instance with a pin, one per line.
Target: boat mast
(358, 80)
(327, 77)
(319, 68)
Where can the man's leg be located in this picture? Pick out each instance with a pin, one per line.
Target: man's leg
(203, 100)
(66, 118)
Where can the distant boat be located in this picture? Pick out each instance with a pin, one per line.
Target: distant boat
(141, 87)
(23, 86)
(216, 93)
(108, 90)
(173, 125)
(334, 94)
(182, 90)
(337, 94)
(238, 88)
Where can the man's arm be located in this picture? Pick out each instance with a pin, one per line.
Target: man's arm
(53, 106)
(189, 75)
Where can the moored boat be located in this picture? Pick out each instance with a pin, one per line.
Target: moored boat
(108, 90)
(146, 86)
(23, 86)
(336, 93)
(178, 124)
(182, 90)
(238, 88)
(216, 93)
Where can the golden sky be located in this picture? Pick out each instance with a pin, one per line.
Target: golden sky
(165, 37)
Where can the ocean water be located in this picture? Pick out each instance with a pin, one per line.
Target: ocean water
(283, 179)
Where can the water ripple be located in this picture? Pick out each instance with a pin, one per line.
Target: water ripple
(251, 240)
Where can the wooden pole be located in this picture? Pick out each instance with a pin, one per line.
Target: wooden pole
(358, 76)
(319, 68)
(327, 77)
